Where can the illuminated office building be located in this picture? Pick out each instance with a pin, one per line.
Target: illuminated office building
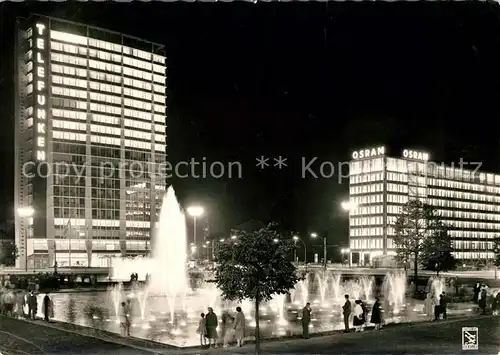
(379, 185)
(90, 135)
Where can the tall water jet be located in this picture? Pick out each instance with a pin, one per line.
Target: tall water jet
(169, 257)
(394, 287)
(115, 293)
(367, 286)
(322, 286)
(336, 288)
(436, 285)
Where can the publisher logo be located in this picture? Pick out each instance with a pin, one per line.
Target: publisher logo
(470, 338)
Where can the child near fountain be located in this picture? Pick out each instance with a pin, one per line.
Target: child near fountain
(359, 318)
(202, 330)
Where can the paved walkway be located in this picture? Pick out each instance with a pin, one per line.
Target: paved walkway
(440, 338)
(18, 337)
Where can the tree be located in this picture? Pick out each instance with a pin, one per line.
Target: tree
(437, 250)
(8, 253)
(414, 224)
(496, 250)
(255, 266)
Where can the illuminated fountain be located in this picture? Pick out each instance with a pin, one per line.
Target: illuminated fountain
(436, 285)
(167, 266)
(394, 289)
(167, 306)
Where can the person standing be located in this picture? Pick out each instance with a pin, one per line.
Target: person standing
(444, 304)
(376, 317)
(365, 313)
(34, 305)
(482, 301)
(202, 330)
(477, 289)
(125, 319)
(239, 326)
(437, 308)
(46, 307)
(211, 324)
(358, 320)
(429, 307)
(346, 311)
(306, 320)
(227, 328)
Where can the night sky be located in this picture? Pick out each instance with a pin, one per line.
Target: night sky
(301, 80)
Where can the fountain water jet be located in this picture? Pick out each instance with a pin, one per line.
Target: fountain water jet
(395, 289)
(436, 285)
(367, 286)
(169, 250)
(167, 265)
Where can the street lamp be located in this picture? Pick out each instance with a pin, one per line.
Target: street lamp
(25, 212)
(295, 238)
(233, 237)
(344, 251)
(349, 206)
(195, 212)
(315, 235)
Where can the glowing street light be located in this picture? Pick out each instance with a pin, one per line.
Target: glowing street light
(345, 251)
(222, 240)
(276, 240)
(233, 237)
(315, 235)
(348, 206)
(296, 238)
(195, 212)
(25, 212)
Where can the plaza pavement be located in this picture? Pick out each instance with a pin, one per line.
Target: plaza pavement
(18, 337)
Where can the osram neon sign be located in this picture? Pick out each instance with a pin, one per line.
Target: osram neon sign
(40, 92)
(412, 154)
(368, 153)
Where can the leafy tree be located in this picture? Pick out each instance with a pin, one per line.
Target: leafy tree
(8, 253)
(255, 267)
(437, 250)
(496, 250)
(414, 224)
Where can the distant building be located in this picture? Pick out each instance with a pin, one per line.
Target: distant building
(466, 198)
(90, 136)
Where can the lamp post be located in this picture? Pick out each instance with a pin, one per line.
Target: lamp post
(295, 238)
(344, 251)
(349, 206)
(315, 235)
(195, 212)
(25, 212)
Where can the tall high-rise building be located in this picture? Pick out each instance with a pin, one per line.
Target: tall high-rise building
(90, 143)
(466, 198)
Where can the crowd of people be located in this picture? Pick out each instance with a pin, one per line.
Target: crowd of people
(357, 312)
(232, 327)
(435, 307)
(23, 304)
(485, 299)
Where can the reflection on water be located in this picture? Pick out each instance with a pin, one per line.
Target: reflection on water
(95, 309)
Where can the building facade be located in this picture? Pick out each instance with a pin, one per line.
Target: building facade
(90, 143)
(467, 199)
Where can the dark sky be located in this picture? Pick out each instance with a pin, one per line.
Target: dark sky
(303, 80)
